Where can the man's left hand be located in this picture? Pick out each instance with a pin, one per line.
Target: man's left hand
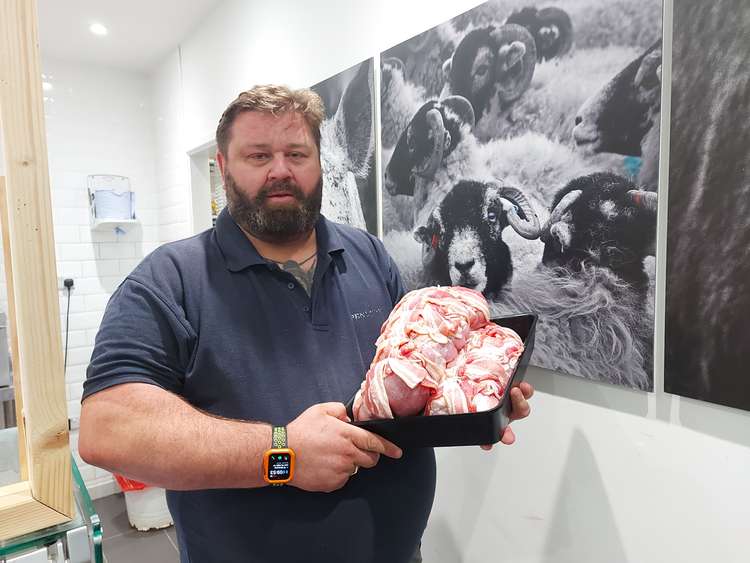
(520, 408)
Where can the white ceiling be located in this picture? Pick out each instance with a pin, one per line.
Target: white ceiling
(141, 32)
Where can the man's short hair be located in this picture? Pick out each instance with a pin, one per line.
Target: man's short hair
(274, 100)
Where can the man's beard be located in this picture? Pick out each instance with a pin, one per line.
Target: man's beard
(277, 223)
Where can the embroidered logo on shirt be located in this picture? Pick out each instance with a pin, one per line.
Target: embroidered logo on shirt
(366, 314)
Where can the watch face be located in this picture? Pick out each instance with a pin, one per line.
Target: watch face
(279, 466)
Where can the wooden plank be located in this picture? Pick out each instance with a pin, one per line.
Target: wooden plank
(15, 360)
(22, 514)
(33, 257)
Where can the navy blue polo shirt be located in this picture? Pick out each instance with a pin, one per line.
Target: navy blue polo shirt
(209, 319)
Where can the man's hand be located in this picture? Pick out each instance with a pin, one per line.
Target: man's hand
(329, 451)
(520, 408)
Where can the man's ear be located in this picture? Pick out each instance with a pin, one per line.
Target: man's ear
(221, 162)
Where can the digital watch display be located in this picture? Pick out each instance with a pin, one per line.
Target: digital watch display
(278, 462)
(280, 466)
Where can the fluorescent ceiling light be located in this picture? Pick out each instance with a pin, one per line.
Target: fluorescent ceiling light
(98, 29)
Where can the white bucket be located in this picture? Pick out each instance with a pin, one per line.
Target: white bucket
(147, 509)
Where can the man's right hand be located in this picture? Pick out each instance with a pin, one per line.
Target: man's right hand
(328, 450)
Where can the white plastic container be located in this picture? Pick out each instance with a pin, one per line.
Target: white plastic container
(110, 197)
(147, 509)
(111, 204)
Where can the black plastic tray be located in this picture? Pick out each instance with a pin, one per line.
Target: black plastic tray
(459, 429)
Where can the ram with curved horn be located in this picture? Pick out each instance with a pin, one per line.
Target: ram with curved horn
(425, 147)
(491, 67)
(592, 290)
(623, 117)
(602, 219)
(462, 239)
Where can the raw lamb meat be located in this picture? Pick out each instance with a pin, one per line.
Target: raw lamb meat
(438, 353)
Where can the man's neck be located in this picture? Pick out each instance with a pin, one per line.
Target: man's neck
(297, 249)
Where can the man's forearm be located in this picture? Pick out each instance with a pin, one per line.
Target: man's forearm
(151, 435)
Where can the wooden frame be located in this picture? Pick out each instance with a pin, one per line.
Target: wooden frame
(44, 497)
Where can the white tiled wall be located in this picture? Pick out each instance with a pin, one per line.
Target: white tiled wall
(99, 121)
(105, 121)
(173, 165)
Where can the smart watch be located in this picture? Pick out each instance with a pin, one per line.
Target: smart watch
(278, 462)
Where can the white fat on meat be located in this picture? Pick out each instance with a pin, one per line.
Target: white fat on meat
(438, 353)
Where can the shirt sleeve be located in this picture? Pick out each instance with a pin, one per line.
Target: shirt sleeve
(143, 338)
(395, 284)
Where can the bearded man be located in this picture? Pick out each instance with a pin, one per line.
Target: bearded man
(223, 361)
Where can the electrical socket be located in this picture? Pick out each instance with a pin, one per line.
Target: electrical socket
(63, 282)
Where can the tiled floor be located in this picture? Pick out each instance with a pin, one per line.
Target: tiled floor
(124, 544)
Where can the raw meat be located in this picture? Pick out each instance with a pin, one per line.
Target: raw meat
(438, 353)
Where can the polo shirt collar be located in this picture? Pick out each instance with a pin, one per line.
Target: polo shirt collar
(239, 253)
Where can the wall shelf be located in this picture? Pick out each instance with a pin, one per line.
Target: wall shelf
(118, 225)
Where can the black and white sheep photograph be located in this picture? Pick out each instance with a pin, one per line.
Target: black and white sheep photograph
(520, 158)
(347, 147)
(708, 230)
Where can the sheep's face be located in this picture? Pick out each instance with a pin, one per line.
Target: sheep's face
(551, 28)
(618, 117)
(466, 264)
(606, 226)
(482, 71)
(462, 238)
(548, 35)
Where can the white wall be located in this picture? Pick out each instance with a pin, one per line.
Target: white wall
(599, 473)
(172, 165)
(99, 121)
